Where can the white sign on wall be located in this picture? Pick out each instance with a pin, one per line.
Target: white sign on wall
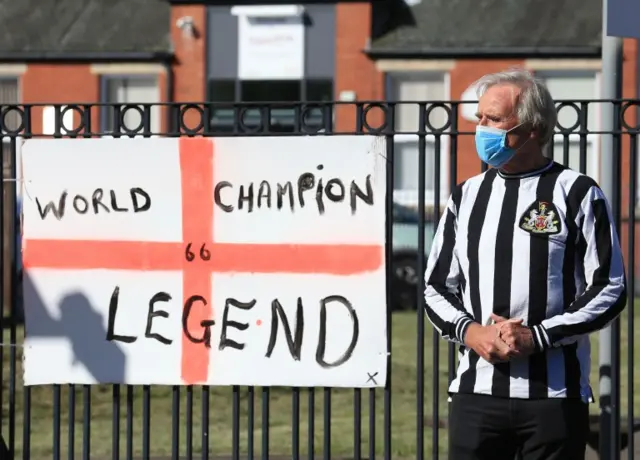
(270, 42)
(244, 261)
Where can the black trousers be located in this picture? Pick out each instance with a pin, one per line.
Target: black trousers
(490, 428)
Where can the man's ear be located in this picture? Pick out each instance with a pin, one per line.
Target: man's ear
(534, 134)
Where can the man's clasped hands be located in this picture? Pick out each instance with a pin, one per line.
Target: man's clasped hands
(501, 341)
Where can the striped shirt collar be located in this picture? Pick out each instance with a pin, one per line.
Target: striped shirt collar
(526, 174)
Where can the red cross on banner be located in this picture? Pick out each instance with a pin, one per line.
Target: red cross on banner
(197, 164)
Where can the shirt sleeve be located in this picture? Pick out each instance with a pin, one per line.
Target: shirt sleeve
(605, 295)
(444, 307)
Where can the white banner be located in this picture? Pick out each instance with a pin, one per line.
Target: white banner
(270, 42)
(230, 261)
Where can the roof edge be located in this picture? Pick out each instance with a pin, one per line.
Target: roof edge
(88, 56)
(483, 53)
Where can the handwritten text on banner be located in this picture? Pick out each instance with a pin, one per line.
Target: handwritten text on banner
(246, 261)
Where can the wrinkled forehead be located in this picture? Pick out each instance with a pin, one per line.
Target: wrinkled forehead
(499, 100)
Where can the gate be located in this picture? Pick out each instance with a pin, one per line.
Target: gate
(408, 418)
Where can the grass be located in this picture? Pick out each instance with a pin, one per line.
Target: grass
(403, 412)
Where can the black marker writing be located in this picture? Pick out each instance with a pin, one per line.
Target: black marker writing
(322, 339)
(80, 204)
(356, 192)
(306, 182)
(155, 312)
(205, 324)
(264, 193)
(111, 321)
(335, 191)
(217, 196)
(96, 201)
(159, 297)
(285, 189)
(309, 189)
(140, 202)
(294, 343)
(226, 322)
(246, 198)
(293, 334)
(203, 253)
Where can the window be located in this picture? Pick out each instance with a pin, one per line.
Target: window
(130, 90)
(282, 117)
(418, 88)
(575, 85)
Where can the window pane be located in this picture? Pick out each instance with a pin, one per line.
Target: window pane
(130, 90)
(222, 90)
(282, 117)
(9, 96)
(574, 86)
(406, 172)
(222, 115)
(419, 88)
(270, 91)
(319, 90)
(574, 156)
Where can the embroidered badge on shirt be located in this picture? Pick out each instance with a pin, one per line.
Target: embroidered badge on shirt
(541, 218)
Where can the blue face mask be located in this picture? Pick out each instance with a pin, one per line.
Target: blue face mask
(491, 145)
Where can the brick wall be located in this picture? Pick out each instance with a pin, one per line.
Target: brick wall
(629, 91)
(68, 84)
(59, 84)
(190, 60)
(354, 71)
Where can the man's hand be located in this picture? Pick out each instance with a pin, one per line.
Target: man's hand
(515, 335)
(486, 341)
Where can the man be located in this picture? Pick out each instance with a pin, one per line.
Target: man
(525, 264)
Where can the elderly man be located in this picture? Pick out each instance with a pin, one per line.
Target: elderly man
(525, 264)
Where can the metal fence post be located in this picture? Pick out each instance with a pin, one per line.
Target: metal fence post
(609, 365)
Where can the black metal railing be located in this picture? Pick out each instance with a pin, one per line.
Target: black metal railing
(431, 150)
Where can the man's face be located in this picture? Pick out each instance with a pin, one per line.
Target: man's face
(497, 109)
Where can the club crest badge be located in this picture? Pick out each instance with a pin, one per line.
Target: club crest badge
(541, 218)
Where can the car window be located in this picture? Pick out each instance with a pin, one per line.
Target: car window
(404, 215)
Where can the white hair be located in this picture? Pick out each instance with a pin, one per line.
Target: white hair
(535, 106)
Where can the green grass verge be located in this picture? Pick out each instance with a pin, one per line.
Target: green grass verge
(403, 412)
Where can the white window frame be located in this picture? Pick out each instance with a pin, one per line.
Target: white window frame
(593, 162)
(409, 197)
(156, 110)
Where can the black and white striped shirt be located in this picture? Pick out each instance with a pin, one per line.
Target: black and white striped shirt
(542, 247)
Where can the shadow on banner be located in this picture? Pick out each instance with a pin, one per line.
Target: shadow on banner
(102, 359)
